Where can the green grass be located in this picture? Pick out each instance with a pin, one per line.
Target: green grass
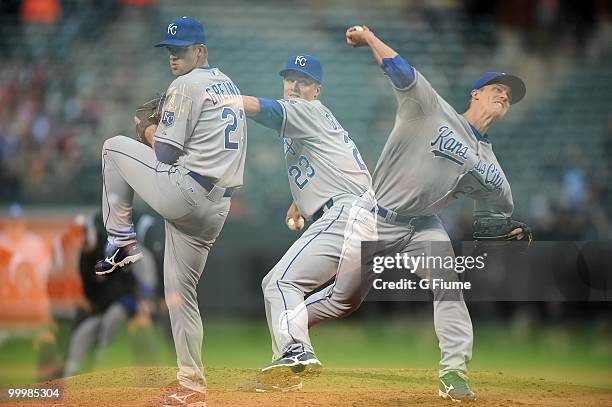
(563, 354)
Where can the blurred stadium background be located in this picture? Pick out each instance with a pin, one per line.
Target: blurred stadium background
(73, 71)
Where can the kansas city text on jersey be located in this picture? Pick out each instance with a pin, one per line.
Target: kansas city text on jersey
(449, 147)
(492, 174)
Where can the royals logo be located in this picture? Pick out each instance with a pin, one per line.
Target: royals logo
(167, 118)
(448, 147)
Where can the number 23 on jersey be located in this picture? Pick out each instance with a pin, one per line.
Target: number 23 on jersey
(302, 172)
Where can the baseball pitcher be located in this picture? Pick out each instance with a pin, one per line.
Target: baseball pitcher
(331, 187)
(188, 178)
(433, 156)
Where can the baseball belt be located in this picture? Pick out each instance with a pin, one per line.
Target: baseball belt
(210, 186)
(317, 215)
(396, 219)
(330, 202)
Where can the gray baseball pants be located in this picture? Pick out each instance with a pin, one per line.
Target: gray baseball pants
(329, 248)
(452, 321)
(193, 218)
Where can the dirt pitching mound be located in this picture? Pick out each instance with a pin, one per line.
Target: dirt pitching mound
(336, 387)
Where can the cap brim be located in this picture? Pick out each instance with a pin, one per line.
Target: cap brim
(174, 43)
(516, 85)
(285, 71)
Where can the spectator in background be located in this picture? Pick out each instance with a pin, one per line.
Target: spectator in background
(9, 23)
(39, 18)
(45, 134)
(573, 185)
(582, 210)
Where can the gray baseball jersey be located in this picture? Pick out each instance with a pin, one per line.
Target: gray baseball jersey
(203, 116)
(322, 160)
(322, 163)
(433, 155)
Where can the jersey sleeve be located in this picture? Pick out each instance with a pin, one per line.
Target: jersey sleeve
(270, 114)
(179, 116)
(299, 119)
(399, 71)
(495, 204)
(415, 95)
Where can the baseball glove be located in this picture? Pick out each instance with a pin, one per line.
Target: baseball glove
(148, 113)
(498, 229)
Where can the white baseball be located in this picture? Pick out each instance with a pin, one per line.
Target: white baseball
(293, 225)
(358, 28)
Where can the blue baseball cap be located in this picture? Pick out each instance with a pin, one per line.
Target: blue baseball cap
(306, 64)
(516, 84)
(182, 32)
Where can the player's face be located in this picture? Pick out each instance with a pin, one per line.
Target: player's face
(495, 99)
(297, 85)
(182, 59)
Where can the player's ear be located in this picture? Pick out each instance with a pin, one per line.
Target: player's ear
(318, 94)
(475, 94)
(204, 51)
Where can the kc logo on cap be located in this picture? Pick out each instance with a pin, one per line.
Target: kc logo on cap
(300, 60)
(306, 64)
(182, 32)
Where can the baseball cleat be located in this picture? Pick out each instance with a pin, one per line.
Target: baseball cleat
(454, 386)
(293, 384)
(118, 257)
(303, 364)
(177, 395)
